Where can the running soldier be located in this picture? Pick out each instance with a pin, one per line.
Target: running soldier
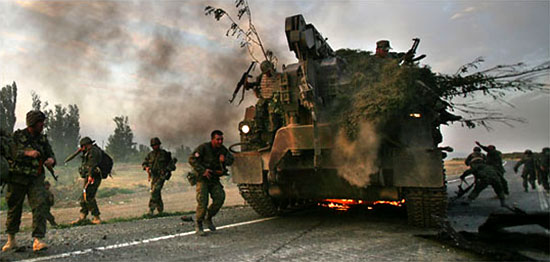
(544, 167)
(50, 201)
(494, 158)
(528, 174)
(485, 175)
(209, 162)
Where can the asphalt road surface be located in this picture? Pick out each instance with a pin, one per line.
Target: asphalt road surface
(316, 234)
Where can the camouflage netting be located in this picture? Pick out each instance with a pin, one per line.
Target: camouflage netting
(380, 90)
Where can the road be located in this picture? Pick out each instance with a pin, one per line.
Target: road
(316, 234)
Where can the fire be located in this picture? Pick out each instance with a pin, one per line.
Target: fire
(345, 204)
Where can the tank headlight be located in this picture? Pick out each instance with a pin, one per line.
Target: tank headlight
(245, 129)
(415, 115)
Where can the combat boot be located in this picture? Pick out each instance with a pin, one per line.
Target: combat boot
(209, 224)
(38, 245)
(11, 244)
(198, 229)
(151, 212)
(81, 218)
(96, 220)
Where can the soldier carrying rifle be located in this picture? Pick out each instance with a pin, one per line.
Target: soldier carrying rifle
(158, 164)
(32, 153)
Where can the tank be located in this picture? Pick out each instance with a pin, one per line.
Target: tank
(289, 151)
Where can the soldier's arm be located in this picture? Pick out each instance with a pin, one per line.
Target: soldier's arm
(518, 164)
(468, 159)
(466, 173)
(195, 160)
(93, 160)
(229, 158)
(146, 161)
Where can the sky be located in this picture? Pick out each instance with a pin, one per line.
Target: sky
(171, 69)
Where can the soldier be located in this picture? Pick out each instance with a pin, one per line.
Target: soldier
(494, 158)
(209, 162)
(544, 167)
(158, 165)
(50, 201)
(90, 172)
(33, 152)
(475, 154)
(528, 173)
(382, 48)
(485, 175)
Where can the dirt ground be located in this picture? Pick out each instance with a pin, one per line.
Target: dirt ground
(129, 179)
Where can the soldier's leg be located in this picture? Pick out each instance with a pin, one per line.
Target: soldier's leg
(152, 199)
(157, 191)
(50, 218)
(15, 195)
(524, 177)
(480, 185)
(202, 200)
(37, 201)
(532, 179)
(90, 197)
(504, 184)
(544, 177)
(218, 198)
(83, 204)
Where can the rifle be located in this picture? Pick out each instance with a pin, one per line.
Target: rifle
(52, 172)
(73, 155)
(241, 83)
(409, 58)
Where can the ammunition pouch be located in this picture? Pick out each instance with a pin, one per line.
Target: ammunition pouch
(192, 178)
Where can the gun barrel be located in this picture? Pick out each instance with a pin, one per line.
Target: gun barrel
(73, 155)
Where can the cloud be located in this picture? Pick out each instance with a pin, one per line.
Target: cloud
(463, 13)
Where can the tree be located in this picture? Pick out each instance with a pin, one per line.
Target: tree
(182, 153)
(62, 125)
(120, 144)
(8, 99)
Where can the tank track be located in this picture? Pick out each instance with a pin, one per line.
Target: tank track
(426, 207)
(259, 200)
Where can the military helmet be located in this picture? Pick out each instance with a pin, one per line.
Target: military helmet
(528, 152)
(491, 147)
(35, 116)
(86, 141)
(546, 149)
(155, 141)
(477, 149)
(266, 66)
(384, 44)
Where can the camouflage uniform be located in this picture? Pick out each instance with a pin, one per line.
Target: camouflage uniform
(494, 159)
(474, 155)
(544, 167)
(5, 154)
(50, 201)
(485, 175)
(27, 179)
(528, 174)
(89, 167)
(158, 162)
(205, 157)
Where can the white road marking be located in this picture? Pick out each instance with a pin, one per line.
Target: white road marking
(543, 198)
(134, 243)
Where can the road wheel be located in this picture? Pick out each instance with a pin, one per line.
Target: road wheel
(259, 200)
(426, 207)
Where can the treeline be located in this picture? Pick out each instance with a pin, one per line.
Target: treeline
(62, 127)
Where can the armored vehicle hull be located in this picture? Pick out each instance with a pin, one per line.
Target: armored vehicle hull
(290, 154)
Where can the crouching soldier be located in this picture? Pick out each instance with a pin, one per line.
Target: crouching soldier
(90, 172)
(158, 164)
(209, 162)
(485, 175)
(32, 153)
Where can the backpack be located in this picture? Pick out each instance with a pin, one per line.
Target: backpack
(105, 164)
(171, 166)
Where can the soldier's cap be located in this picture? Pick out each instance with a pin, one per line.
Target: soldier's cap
(86, 141)
(384, 44)
(528, 152)
(491, 147)
(35, 116)
(266, 66)
(477, 149)
(155, 141)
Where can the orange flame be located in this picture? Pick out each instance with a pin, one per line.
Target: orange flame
(345, 204)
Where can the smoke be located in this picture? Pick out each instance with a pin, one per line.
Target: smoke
(357, 159)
